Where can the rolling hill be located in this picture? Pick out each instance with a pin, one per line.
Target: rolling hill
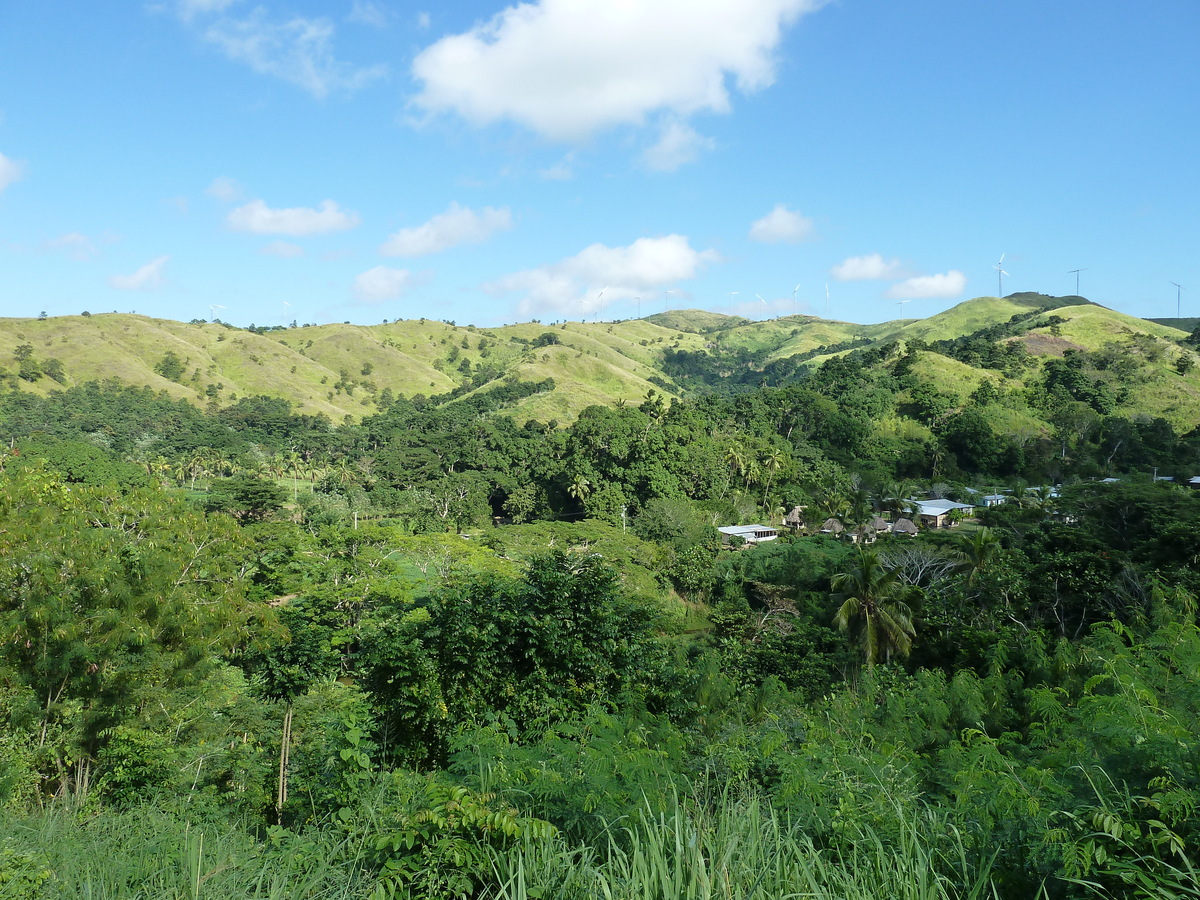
(345, 371)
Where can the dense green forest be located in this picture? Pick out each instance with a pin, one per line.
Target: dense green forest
(442, 651)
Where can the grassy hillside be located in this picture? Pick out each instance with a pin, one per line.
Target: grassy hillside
(342, 370)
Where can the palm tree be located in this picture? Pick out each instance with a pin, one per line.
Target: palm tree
(893, 498)
(579, 488)
(293, 463)
(976, 550)
(196, 466)
(343, 470)
(772, 462)
(735, 457)
(875, 604)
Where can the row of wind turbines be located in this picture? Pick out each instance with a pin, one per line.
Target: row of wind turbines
(1000, 273)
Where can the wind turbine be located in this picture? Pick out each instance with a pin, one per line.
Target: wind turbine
(1000, 273)
(212, 311)
(1076, 272)
(1178, 291)
(600, 308)
(760, 299)
(902, 302)
(795, 308)
(667, 299)
(827, 301)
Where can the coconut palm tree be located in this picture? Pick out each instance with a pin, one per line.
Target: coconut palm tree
(579, 488)
(772, 462)
(975, 551)
(875, 605)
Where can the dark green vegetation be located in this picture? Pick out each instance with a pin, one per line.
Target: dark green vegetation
(451, 651)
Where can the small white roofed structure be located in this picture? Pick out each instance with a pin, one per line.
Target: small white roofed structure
(751, 534)
(936, 513)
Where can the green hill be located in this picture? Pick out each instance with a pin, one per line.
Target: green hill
(347, 370)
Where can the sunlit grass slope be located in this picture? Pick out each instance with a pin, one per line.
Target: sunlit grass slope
(342, 370)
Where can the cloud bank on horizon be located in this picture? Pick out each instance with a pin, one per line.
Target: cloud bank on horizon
(579, 285)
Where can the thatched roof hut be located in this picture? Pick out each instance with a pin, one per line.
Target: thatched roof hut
(832, 526)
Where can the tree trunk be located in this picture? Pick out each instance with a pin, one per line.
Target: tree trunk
(284, 745)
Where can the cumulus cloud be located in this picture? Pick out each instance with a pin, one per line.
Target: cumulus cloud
(282, 249)
(867, 268)
(677, 145)
(299, 51)
(570, 68)
(381, 283)
(782, 226)
(10, 171)
(258, 218)
(457, 225)
(573, 285)
(148, 278)
(224, 189)
(936, 287)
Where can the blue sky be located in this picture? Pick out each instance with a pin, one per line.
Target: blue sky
(365, 160)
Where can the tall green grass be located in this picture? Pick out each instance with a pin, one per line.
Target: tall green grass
(148, 854)
(742, 850)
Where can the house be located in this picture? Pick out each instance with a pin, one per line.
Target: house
(1194, 482)
(832, 526)
(750, 534)
(795, 518)
(905, 526)
(937, 513)
(869, 531)
(990, 500)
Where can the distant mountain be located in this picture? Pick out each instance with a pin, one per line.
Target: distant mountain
(348, 370)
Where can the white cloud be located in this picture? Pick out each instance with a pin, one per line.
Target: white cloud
(148, 278)
(677, 145)
(936, 287)
(225, 189)
(282, 249)
(423, 20)
(189, 9)
(560, 171)
(258, 218)
(79, 247)
(381, 283)
(622, 273)
(570, 68)
(298, 51)
(367, 12)
(782, 226)
(867, 268)
(457, 225)
(10, 171)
